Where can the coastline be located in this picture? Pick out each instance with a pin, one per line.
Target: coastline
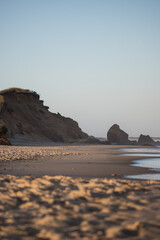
(88, 161)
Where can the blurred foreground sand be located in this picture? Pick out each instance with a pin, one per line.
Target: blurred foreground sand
(76, 208)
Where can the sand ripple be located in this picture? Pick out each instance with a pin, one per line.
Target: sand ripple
(68, 208)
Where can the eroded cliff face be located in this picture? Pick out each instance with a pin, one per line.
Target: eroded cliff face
(24, 114)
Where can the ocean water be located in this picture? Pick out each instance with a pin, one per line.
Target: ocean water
(136, 138)
(142, 150)
(142, 154)
(155, 176)
(152, 163)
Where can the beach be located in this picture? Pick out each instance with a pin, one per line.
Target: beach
(89, 161)
(75, 192)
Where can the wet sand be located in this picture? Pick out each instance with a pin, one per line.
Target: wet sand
(96, 206)
(77, 161)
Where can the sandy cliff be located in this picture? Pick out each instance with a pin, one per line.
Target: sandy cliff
(24, 114)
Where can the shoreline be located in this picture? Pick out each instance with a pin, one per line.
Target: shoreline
(87, 161)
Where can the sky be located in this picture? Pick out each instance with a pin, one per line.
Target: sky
(96, 61)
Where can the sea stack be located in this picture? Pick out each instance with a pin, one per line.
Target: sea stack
(146, 140)
(117, 136)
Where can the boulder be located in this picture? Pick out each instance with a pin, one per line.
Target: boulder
(3, 132)
(92, 140)
(4, 141)
(117, 136)
(146, 140)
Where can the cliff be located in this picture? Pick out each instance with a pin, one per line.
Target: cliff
(24, 114)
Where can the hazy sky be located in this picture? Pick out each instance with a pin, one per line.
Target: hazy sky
(96, 61)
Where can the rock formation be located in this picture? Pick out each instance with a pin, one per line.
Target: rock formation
(24, 114)
(91, 140)
(146, 140)
(117, 136)
(3, 132)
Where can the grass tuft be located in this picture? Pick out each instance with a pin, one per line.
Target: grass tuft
(17, 90)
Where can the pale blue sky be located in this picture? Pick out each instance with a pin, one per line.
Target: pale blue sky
(96, 61)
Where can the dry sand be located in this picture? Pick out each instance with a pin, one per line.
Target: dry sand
(58, 207)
